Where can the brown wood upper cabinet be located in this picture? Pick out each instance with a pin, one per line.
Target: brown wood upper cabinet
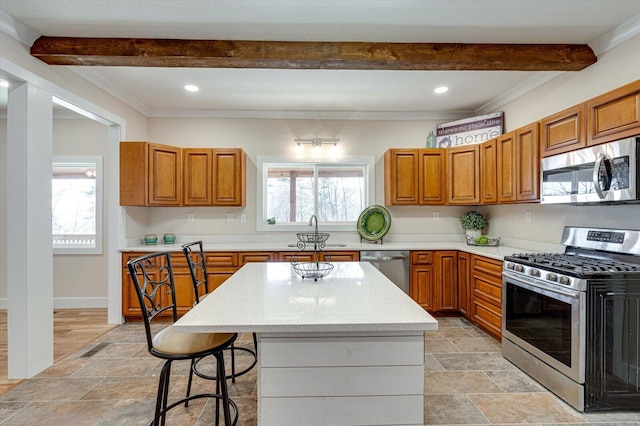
(488, 170)
(563, 132)
(414, 177)
(229, 176)
(163, 175)
(614, 115)
(518, 171)
(198, 176)
(463, 177)
(150, 174)
(401, 177)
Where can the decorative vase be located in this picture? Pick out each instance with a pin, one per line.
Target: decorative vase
(431, 140)
(169, 238)
(150, 239)
(473, 233)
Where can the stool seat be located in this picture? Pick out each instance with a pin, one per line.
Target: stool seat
(189, 345)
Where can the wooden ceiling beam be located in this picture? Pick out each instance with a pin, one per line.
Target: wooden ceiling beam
(134, 52)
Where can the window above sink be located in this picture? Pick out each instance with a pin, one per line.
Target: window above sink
(292, 190)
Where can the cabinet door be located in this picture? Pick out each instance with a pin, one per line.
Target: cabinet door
(506, 172)
(229, 177)
(130, 303)
(614, 115)
(464, 283)
(527, 163)
(185, 293)
(432, 177)
(165, 175)
(220, 266)
(463, 165)
(198, 176)
(488, 170)
(446, 280)
(421, 286)
(563, 132)
(401, 177)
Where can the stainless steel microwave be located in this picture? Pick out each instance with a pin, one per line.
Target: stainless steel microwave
(606, 173)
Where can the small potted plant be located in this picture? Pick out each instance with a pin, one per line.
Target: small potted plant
(473, 223)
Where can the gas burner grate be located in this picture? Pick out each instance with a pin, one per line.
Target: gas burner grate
(574, 264)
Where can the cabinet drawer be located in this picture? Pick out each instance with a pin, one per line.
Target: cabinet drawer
(285, 256)
(487, 265)
(421, 258)
(341, 256)
(258, 256)
(486, 288)
(221, 259)
(488, 317)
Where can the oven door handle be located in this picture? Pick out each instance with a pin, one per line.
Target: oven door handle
(554, 290)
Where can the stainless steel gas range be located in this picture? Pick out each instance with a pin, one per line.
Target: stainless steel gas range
(572, 320)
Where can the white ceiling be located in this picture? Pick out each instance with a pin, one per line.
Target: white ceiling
(324, 93)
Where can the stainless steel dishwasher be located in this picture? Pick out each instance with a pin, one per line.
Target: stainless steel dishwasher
(394, 264)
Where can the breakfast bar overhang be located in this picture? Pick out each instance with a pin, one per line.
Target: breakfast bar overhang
(347, 349)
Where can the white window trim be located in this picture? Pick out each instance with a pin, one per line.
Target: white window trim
(261, 189)
(97, 159)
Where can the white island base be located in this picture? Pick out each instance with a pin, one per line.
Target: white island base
(341, 379)
(344, 350)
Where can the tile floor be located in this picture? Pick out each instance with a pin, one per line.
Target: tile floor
(113, 380)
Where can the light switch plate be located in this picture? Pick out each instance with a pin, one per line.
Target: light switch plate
(229, 217)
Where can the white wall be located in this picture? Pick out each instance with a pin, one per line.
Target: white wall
(82, 276)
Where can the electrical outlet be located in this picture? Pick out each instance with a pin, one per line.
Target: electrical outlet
(243, 218)
(527, 216)
(436, 215)
(189, 217)
(229, 217)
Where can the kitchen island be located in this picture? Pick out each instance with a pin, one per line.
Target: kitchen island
(347, 349)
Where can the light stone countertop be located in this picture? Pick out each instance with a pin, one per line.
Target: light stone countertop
(494, 252)
(271, 297)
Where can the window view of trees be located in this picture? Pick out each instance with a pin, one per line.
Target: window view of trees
(334, 193)
(74, 204)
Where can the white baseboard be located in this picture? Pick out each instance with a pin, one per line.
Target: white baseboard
(71, 302)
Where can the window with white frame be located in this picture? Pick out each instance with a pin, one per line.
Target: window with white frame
(76, 205)
(293, 191)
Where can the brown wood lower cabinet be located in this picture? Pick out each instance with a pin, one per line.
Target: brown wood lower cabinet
(486, 294)
(434, 280)
(220, 266)
(464, 283)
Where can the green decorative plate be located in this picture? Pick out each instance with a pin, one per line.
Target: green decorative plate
(374, 223)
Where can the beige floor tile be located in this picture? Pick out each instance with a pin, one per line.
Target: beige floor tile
(474, 361)
(451, 410)
(514, 381)
(477, 344)
(523, 408)
(439, 346)
(456, 382)
(77, 413)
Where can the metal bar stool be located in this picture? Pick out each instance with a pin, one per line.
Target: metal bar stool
(198, 268)
(152, 277)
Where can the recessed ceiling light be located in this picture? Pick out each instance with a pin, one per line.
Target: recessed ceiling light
(191, 88)
(4, 83)
(441, 89)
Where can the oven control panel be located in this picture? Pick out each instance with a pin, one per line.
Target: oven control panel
(544, 277)
(606, 236)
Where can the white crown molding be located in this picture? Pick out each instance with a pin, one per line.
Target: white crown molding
(98, 80)
(312, 115)
(611, 39)
(17, 29)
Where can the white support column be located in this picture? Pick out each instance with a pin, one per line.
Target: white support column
(29, 251)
